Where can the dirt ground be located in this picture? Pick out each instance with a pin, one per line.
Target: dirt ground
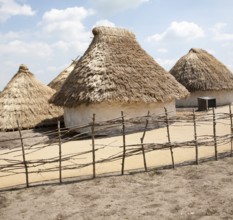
(191, 192)
(10, 139)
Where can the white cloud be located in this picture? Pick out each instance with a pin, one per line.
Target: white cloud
(162, 50)
(61, 45)
(66, 30)
(220, 25)
(219, 35)
(11, 35)
(184, 29)
(104, 22)
(56, 68)
(114, 6)
(60, 20)
(9, 8)
(156, 37)
(66, 24)
(166, 63)
(23, 48)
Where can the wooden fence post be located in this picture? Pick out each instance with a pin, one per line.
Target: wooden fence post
(142, 139)
(169, 139)
(214, 132)
(60, 152)
(23, 154)
(195, 136)
(93, 144)
(231, 130)
(124, 148)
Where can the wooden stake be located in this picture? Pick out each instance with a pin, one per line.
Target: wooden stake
(23, 154)
(195, 136)
(93, 144)
(214, 131)
(60, 152)
(142, 145)
(169, 139)
(231, 130)
(124, 148)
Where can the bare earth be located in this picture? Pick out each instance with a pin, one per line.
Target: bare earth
(191, 192)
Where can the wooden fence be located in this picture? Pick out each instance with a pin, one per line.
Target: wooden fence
(119, 126)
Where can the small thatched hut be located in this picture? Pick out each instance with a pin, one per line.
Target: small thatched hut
(57, 82)
(204, 76)
(26, 99)
(115, 74)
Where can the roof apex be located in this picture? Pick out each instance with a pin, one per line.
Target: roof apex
(23, 67)
(112, 31)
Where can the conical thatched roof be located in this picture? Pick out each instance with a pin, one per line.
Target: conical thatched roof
(116, 69)
(26, 99)
(57, 82)
(200, 71)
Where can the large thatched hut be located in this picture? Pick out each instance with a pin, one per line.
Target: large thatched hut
(115, 74)
(57, 82)
(26, 99)
(204, 76)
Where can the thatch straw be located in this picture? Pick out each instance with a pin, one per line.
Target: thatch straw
(116, 69)
(26, 99)
(57, 82)
(200, 71)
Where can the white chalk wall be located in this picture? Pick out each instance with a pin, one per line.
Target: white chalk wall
(223, 97)
(83, 114)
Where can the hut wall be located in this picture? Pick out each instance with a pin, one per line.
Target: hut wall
(223, 97)
(83, 114)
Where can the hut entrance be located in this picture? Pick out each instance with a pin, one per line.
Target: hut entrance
(204, 103)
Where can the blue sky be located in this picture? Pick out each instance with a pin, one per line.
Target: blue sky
(47, 34)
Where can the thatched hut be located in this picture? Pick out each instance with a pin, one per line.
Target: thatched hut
(204, 76)
(115, 74)
(57, 82)
(26, 99)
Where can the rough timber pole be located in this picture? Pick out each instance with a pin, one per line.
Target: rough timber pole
(93, 144)
(142, 145)
(124, 149)
(195, 136)
(23, 154)
(60, 153)
(215, 140)
(231, 130)
(169, 139)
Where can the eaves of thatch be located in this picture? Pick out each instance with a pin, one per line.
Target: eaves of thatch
(58, 81)
(116, 69)
(200, 71)
(26, 99)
